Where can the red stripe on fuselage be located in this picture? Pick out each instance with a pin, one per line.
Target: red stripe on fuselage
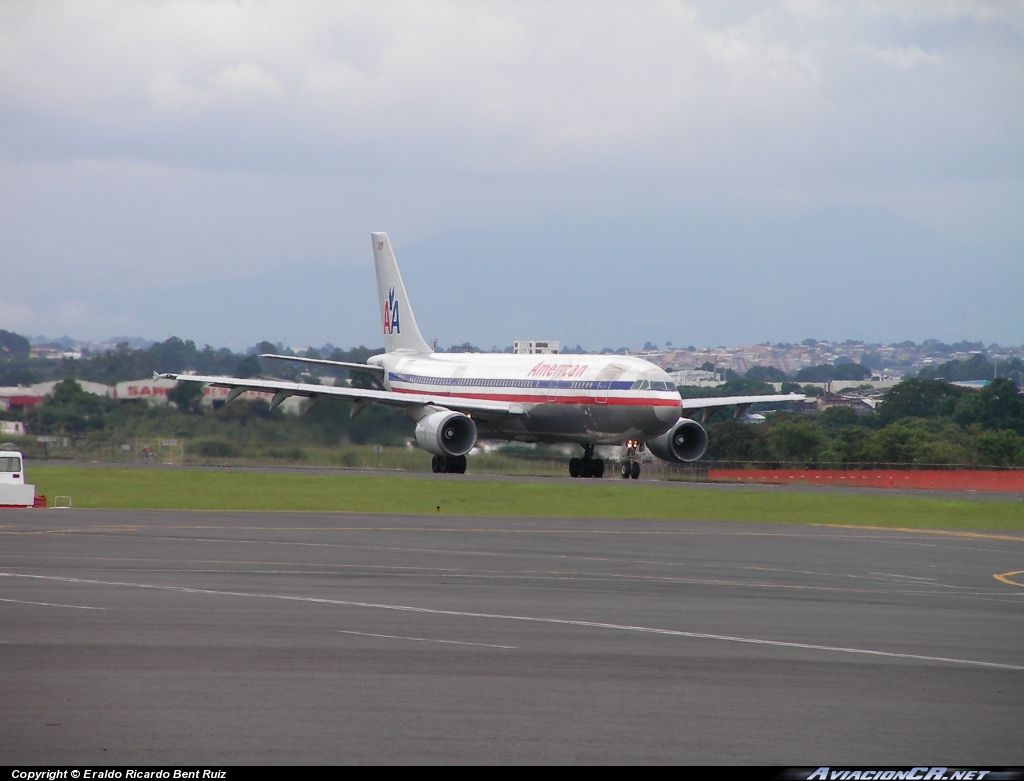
(618, 401)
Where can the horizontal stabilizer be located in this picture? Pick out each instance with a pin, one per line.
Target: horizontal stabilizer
(732, 401)
(352, 367)
(705, 407)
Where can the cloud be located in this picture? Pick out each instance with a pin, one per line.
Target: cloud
(146, 144)
(903, 57)
(245, 83)
(501, 89)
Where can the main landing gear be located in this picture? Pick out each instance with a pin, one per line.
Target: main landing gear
(450, 464)
(630, 468)
(588, 466)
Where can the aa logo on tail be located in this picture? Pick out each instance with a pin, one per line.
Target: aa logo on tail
(391, 324)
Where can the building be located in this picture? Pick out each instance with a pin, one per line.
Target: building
(529, 347)
(20, 398)
(697, 377)
(154, 391)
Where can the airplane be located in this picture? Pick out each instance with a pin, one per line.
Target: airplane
(457, 399)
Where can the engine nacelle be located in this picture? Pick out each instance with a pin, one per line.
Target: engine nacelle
(446, 433)
(686, 441)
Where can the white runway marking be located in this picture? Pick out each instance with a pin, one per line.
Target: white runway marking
(426, 640)
(533, 619)
(51, 604)
(905, 577)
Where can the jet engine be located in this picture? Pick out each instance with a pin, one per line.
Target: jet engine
(686, 441)
(445, 433)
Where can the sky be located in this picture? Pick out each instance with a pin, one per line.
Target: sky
(600, 173)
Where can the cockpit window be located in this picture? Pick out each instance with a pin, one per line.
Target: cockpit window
(658, 385)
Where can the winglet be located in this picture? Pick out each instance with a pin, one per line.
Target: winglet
(400, 331)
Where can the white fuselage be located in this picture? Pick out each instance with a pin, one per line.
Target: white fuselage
(590, 399)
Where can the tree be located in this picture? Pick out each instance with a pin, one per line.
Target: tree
(848, 446)
(997, 406)
(920, 442)
(249, 366)
(187, 397)
(822, 373)
(13, 346)
(17, 376)
(851, 371)
(731, 440)
(737, 386)
(1012, 370)
(792, 439)
(976, 367)
(266, 347)
(873, 360)
(1000, 448)
(766, 374)
(918, 398)
(70, 410)
(174, 355)
(836, 419)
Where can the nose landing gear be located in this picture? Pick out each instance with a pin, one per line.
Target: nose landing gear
(630, 468)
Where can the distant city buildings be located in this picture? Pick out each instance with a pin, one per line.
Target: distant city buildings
(885, 361)
(532, 347)
(698, 378)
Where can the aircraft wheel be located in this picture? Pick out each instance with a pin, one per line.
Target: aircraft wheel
(634, 470)
(598, 467)
(574, 467)
(460, 465)
(435, 464)
(624, 469)
(587, 468)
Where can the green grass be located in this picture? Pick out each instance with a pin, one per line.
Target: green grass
(541, 462)
(207, 490)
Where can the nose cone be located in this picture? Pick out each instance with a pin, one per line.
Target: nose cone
(667, 415)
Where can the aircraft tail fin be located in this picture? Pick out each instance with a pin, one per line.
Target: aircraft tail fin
(400, 331)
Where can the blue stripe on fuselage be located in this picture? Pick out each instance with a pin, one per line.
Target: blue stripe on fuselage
(473, 382)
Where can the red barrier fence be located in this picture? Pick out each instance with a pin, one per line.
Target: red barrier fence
(934, 479)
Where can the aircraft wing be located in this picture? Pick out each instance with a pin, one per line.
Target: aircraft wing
(282, 389)
(711, 404)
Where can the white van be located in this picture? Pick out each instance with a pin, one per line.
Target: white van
(13, 491)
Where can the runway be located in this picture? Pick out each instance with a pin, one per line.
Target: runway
(155, 637)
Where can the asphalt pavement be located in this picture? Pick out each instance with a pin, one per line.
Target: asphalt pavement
(131, 637)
